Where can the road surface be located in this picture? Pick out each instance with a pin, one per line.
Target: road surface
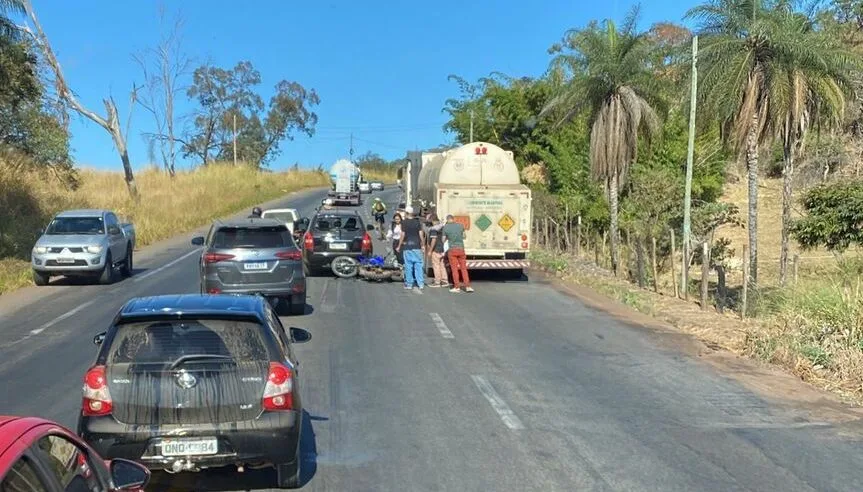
(514, 387)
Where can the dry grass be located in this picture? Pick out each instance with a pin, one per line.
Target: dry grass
(167, 206)
(380, 175)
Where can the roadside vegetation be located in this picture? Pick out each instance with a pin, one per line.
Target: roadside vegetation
(777, 198)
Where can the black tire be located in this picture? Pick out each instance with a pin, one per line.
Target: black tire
(107, 275)
(41, 278)
(128, 265)
(341, 269)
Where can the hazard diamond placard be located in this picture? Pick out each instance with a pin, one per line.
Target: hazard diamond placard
(506, 222)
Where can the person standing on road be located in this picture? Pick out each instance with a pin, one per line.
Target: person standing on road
(395, 234)
(436, 254)
(454, 233)
(412, 246)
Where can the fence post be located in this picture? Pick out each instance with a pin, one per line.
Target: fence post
(794, 267)
(705, 273)
(743, 297)
(653, 261)
(578, 236)
(673, 254)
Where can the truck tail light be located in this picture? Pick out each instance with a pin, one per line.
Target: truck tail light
(216, 257)
(279, 390)
(308, 241)
(289, 255)
(97, 399)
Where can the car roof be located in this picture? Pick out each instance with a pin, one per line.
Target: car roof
(194, 305)
(280, 210)
(82, 212)
(339, 211)
(250, 222)
(13, 427)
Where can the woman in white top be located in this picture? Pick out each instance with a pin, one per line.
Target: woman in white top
(395, 234)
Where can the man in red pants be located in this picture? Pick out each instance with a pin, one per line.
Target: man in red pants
(454, 233)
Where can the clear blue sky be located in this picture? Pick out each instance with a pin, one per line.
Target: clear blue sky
(380, 68)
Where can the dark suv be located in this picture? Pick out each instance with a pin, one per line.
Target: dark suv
(253, 256)
(333, 233)
(187, 382)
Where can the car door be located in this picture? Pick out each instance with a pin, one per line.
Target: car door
(24, 476)
(70, 465)
(116, 239)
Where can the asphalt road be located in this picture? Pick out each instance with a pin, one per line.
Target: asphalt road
(514, 387)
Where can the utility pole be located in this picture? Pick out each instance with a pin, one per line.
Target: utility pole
(471, 125)
(687, 194)
(235, 139)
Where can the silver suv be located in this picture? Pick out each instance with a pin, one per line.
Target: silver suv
(253, 256)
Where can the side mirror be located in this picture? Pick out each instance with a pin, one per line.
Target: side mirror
(128, 475)
(299, 335)
(113, 230)
(198, 241)
(302, 224)
(98, 339)
(370, 227)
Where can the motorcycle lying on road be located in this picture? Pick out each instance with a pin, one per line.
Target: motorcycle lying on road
(377, 268)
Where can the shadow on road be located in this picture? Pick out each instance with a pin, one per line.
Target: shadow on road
(228, 479)
(80, 280)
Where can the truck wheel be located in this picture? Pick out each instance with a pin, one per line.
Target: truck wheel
(127, 265)
(107, 275)
(40, 278)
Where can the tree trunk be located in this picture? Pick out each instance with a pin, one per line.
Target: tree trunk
(128, 175)
(640, 261)
(615, 235)
(787, 188)
(752, 174)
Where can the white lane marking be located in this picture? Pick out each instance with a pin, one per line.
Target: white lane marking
(61, 318)
(168, 265)
(441, 326)
(510, 419)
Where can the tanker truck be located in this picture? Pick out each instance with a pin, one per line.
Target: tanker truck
(479, 184)
(344, 178)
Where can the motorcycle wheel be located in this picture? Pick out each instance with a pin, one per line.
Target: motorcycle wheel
(345, 267)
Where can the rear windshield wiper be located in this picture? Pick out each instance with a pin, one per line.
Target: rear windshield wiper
(193, 357)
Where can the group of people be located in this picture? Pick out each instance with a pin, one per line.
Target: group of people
(443, 243)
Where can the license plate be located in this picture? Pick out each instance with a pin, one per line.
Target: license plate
(339, 246)
(343, 196)
(65, 260)
(255, 266)
(171, 447)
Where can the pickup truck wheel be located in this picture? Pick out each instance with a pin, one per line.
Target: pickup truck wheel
(107, 275)
(40, 278)
(127, 264)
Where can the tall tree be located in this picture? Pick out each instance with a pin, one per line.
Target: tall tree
(611, 78)
(163, 67)
(110, 122)
(817, 78)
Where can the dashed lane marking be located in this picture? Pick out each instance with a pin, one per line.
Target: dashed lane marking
(441, 326)
(510, 419)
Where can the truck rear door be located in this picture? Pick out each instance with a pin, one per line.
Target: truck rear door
(493, 218)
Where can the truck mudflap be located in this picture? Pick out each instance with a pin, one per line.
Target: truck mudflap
(497, 264)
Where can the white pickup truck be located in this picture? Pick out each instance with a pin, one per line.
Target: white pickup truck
(90, 243)
(287, 215)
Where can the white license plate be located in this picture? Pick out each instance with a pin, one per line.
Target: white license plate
(343, 197)
(339, 246)
(65, 260)
(255, 266)
(171, 447)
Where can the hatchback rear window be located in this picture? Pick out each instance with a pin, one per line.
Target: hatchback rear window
(169, 341)
(335, 222)
(253, 238)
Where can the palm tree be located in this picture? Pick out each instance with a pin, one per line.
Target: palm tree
(764, 72)
(817, 80)
(609, 78)
(8, 29)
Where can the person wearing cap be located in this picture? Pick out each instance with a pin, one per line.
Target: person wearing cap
(453, 232)
(412, 247)
(256, 213)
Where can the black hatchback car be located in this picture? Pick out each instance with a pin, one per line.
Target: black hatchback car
(333, 233)
(188, 382)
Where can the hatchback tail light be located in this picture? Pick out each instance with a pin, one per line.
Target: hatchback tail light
(97, 398)
(367, 242)
(309, 241)
(216, 257)
(289, 255)
(279, 390)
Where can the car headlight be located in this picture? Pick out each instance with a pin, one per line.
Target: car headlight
(94, 249)
(40, 250)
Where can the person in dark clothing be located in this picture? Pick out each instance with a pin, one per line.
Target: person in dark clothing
(412, 245)
(256, 213)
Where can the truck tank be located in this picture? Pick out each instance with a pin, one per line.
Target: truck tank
(344, 167)
(477, 163)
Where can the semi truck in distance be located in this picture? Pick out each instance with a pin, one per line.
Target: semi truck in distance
(345, 187)
(479, 184)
